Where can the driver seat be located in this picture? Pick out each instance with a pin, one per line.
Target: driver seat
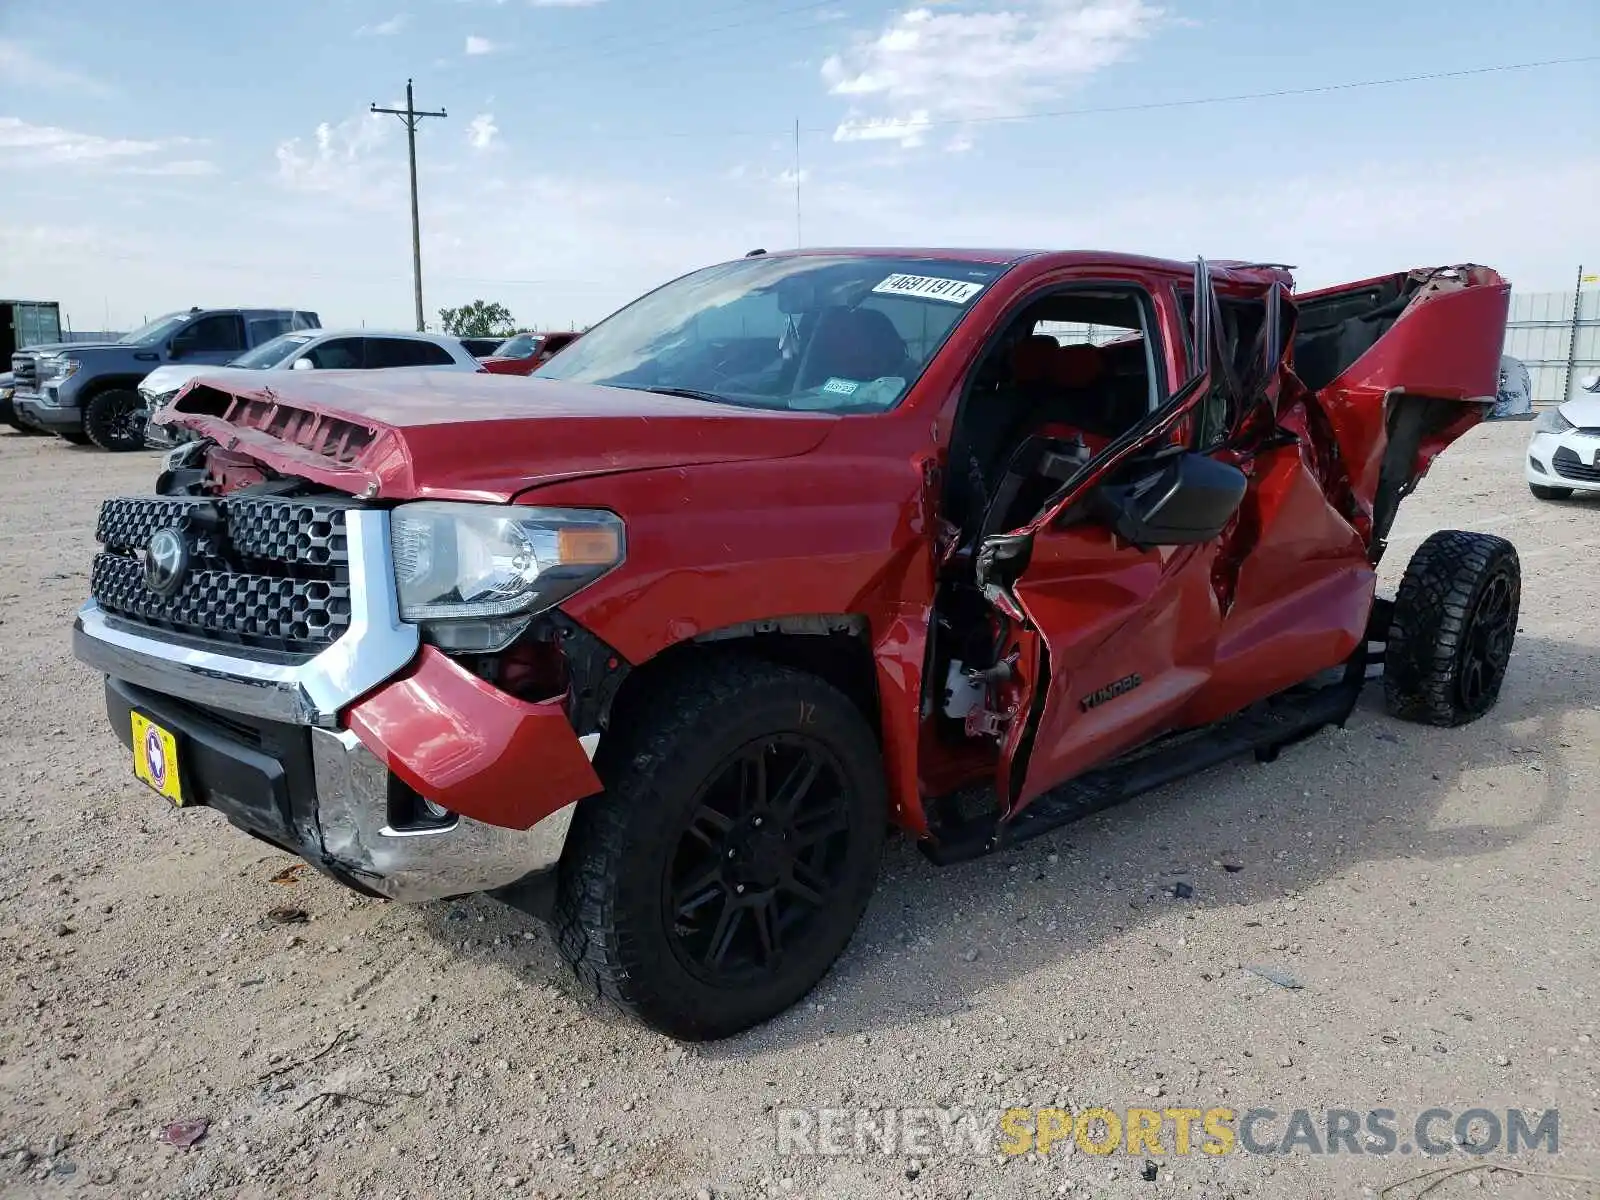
(860, 344)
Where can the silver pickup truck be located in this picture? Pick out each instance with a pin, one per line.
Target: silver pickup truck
(88, 392)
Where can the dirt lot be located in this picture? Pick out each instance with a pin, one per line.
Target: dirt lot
(1434, 893)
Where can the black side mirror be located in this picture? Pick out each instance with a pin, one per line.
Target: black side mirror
(1186, 500)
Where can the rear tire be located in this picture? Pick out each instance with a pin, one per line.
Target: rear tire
(112, 421)
(704, 892)
(1550, 493)
(1454, 622)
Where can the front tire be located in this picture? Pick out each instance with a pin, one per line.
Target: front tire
(729, 860)
(113, 420)
(1454, 621)
(1542, 492)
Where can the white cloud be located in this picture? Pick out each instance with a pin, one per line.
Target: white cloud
(384, 28)
(950, 63)
(479, 45)
(49, 143)
(21, 141)
(178, 168)
(340, 159)
(908, 131)
(20, 65)
(481, 131)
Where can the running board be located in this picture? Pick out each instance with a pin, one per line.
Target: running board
(1265, 729)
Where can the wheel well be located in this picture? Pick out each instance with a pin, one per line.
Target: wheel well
(833, 647)
(114, 383)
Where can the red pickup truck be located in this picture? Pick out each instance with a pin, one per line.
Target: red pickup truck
(790, 551)
(525, 353)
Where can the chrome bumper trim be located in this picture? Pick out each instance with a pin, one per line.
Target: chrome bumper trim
(375, 646)
(468, 856)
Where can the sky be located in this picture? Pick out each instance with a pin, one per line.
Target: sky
(158, 156)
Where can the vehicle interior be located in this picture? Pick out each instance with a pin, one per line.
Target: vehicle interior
(1072, 372)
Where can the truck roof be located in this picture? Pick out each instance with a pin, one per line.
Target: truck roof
(1220, 268)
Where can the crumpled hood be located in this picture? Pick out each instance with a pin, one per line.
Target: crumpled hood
(408, 434)
(169, 379)
(1583, 410)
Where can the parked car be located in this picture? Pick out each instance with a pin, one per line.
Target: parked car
(88, 392)
(527, 352)
(482, 347)
(305, 350)
(1564, 452)
(794, 548)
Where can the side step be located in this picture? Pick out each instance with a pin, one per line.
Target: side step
(1286, 718)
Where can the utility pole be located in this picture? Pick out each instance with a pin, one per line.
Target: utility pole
(410, 117)
(1572, 339)
(799, 240)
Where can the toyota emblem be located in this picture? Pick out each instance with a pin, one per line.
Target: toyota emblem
(166, 559)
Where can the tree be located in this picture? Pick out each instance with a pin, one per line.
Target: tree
(478, 319)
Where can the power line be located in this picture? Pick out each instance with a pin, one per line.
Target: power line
(1282, 93)
(1099, 110)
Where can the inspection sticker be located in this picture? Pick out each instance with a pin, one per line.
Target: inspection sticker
(926, 287)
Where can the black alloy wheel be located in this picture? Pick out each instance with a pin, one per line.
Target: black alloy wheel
(763, 855)
(114, 420)
(729, 860)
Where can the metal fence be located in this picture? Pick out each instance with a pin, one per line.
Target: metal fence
(1557, 336)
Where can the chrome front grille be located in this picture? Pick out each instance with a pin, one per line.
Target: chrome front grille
(25, 372)
(263, 572)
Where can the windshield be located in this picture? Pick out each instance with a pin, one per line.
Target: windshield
(823, 333)
(155, 330)
(524, 345)
(274, 353)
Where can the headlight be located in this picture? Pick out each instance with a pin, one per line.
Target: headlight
(475, 573)
(60, 368)
(1551, 421)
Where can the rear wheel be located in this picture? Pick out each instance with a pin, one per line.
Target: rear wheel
(1454, 621)
(730, 858)
(1550, 493)
(114, 420)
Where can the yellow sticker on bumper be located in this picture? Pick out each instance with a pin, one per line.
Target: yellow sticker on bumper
(155, 758)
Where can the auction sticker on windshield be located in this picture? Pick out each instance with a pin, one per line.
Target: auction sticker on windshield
(926, 287)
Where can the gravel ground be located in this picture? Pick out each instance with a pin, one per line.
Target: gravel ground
(1433, 892)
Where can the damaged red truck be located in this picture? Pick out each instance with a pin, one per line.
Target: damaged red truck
(659, 643)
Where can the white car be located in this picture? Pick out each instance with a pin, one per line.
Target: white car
(312, 350)
(1564, 455)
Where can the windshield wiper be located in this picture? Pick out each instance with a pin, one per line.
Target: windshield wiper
(688, 393)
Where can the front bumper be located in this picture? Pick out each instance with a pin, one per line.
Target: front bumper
(330, 757)
(161, 437)
(1568, 460)
(33, 410)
